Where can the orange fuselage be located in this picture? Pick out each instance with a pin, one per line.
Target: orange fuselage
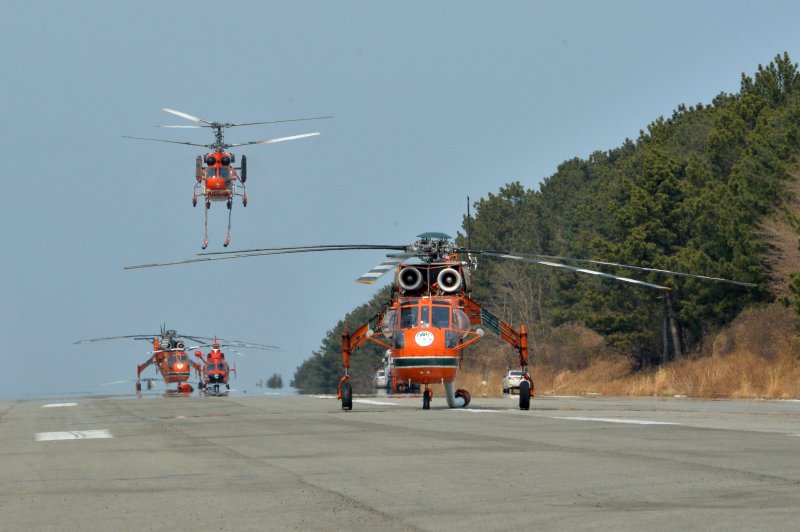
(428, 337)
(173, 365)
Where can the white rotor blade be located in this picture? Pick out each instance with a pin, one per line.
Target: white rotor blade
(574, 269)
(272, 141)
(187, 116)
(186, 127)
(390, 262)
(169, 141)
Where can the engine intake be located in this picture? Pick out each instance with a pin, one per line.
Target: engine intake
(409, 278)
(449, 280)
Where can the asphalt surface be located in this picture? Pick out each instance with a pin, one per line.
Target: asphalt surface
(299, 463)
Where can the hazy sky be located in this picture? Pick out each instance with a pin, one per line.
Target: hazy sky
(434, 102)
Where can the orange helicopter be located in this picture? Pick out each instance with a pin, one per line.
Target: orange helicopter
(219, 181)
(430, 317)
(168, 355)
(216, 370)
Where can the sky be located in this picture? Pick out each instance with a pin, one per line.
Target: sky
(433, 102)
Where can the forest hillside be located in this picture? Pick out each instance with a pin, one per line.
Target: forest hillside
(710, 190)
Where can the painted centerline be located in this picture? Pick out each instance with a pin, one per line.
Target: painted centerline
(614, 420)
(73, 435)
(58, 405)
(371, 402)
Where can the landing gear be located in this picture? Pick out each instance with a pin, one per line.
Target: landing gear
(427, 395)
(524, 395)
(464, 394)
(194, 201)
(347, 396)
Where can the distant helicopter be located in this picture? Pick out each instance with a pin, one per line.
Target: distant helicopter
(216, 370)
(218, 180)
(430, 317)
(168, 355)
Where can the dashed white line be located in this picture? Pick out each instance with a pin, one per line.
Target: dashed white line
(58, 405)
(614, 420)
(371, 402)
(73, 435)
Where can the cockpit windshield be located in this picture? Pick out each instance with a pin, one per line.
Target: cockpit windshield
(408, 317)
(225, 172)
(211, 171)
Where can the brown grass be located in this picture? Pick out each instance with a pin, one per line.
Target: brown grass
(757, 356)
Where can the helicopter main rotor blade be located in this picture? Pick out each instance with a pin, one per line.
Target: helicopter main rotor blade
(391, 261)
(279, 121)
(627, 266)
(571, 268)
(209, 146)
(272, 141)
(91, 340)
(186, 127)
(656, 270)
(264, 251)
(187, 116)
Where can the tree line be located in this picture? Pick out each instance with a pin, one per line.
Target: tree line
(690, 194)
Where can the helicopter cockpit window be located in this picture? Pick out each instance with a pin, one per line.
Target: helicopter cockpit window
(408, 317)
(212, 367)
(225, 172)
(211, 171)
(441, 317)
(425, 316)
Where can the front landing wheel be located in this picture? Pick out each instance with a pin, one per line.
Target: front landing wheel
(524, 395)
(426, 399)
(347, 396)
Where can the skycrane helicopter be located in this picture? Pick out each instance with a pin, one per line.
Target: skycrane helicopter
(219, 181)
(430, 317)
(216, 370)
(168, 355)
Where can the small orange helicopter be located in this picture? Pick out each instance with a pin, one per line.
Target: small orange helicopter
(218, 180)
(216, 370)
(168, 355)
(430, 317)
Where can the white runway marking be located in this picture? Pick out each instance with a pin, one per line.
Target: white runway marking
(371, 402)
(477, 410)
(615, 420)
(73, 435)
(58, 405)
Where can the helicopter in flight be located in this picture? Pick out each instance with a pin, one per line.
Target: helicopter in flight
(430, 317)
(216, 370)
(168, 355)
(217, 180)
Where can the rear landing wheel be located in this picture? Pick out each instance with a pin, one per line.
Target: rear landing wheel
(524, 395)
(347, 396)
(426, 399)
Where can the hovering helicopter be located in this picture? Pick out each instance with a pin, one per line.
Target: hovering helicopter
(430, 317)
(168, 355)
(218, 180)
(216, 369)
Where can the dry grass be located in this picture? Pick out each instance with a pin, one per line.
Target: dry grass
(757, 356)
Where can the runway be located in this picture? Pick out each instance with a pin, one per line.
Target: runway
(299, 463)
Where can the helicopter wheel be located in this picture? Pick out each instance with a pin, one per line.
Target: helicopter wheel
(208, 204)
(229, 204)
(524, 395)
(426, 399)
(347, 396)
(194, 202)
(244, 202)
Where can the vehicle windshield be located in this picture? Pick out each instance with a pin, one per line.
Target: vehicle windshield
(441, 317)
(212, 367)
(211, 171)
(225, 172)
(515, 373)
(408, 317)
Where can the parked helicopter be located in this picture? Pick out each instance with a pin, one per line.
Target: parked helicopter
(168, 355)
(216, 370)
(430, 317)
(218, 180)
